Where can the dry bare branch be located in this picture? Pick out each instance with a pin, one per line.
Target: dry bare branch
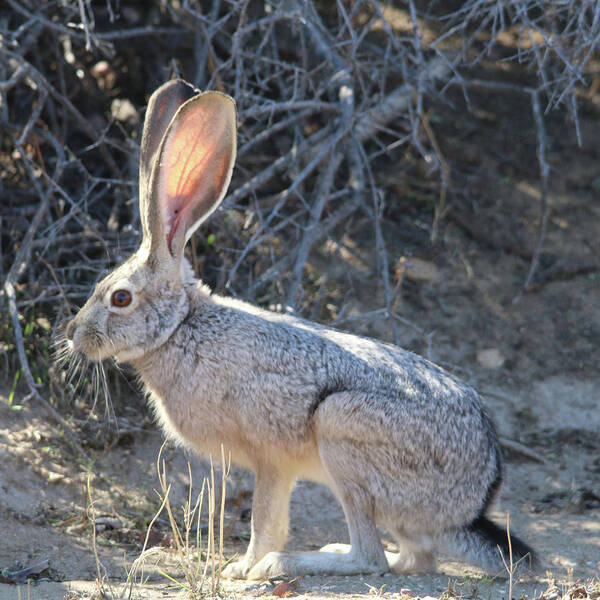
(326, 91)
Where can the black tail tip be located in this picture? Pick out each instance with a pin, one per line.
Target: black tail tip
(523, 556)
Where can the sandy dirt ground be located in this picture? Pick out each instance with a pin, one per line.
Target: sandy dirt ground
(554, 506)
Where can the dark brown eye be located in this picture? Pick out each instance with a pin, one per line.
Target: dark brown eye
(121, 298)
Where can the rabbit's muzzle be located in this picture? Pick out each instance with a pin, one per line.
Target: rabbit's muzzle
(76, 338)
(85, 339)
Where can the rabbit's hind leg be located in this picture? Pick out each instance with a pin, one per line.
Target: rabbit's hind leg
(365, 553)
(413, 557)
(410, 559)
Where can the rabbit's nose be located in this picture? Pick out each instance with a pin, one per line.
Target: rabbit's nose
(71, 327)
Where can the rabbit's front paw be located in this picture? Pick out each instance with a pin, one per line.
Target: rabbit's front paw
(235, 570)
(272, 564)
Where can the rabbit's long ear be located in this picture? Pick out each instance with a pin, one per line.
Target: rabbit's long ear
(192, 170)
(162, 106)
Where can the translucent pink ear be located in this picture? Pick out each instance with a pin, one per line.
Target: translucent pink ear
(162, 106)
(193, 167)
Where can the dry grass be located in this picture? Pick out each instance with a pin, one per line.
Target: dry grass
(200, 561)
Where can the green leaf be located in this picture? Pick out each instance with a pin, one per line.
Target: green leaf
(11, 396)
(177, 583)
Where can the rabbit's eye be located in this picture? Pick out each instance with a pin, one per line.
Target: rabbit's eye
(121, 298)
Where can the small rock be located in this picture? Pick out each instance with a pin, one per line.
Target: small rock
(491, 358)
(123, 110)
(52, 476)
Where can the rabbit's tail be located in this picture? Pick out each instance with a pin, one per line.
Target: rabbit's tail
(483, 543)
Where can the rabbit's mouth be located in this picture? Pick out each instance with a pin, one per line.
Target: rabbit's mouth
(87, 351)
(87, 342)
(99, 352)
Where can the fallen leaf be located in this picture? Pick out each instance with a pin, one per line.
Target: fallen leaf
(285, 588)
(491, 358)
(578, 592)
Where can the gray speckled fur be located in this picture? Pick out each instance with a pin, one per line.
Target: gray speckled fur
(402, 443)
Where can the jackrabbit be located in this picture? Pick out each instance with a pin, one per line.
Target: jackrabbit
(402, 443)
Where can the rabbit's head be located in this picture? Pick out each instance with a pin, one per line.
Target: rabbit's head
(186, 158)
